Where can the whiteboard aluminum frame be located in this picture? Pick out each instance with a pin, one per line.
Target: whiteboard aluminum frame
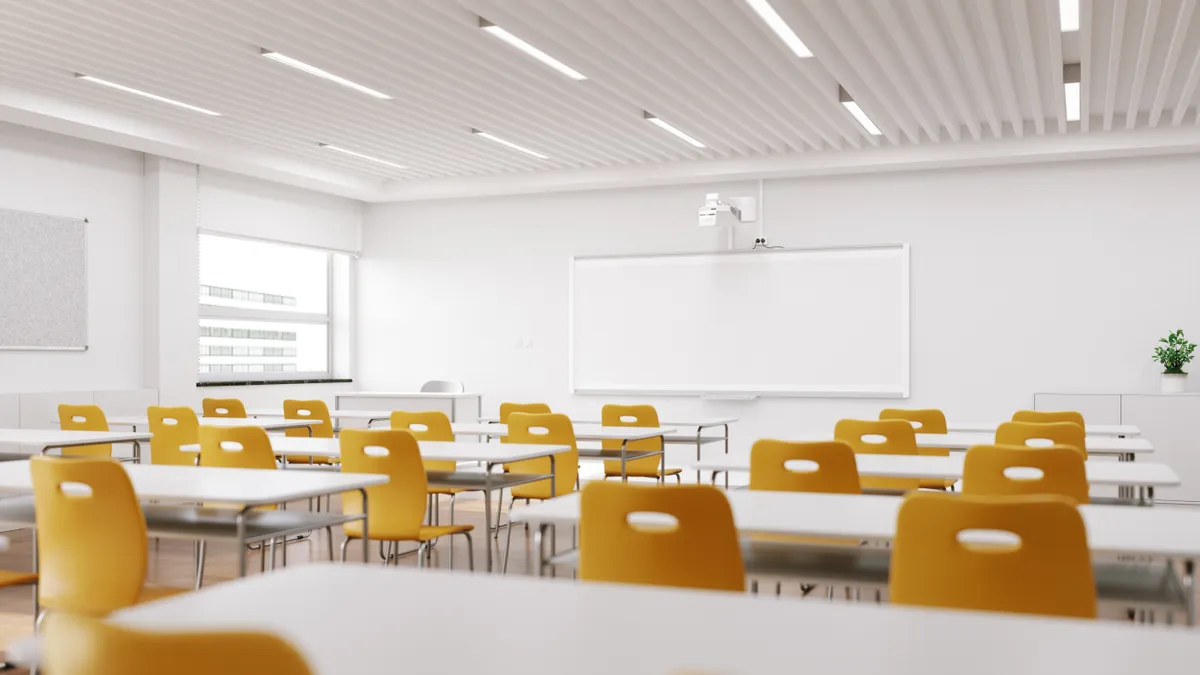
(87, 306)
(751, 393)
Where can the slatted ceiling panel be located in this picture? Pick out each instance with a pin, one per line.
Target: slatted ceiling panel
(925, 71)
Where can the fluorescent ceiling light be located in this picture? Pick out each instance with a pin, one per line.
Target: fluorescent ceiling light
(776, 23)
(139, 92)
(1071, 91)
(1068, 12)
(359, 155)
(508, 144)
(325, 75)
(529, 49)
(672, 130)
(857, 112)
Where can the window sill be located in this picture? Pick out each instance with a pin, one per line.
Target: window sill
(255, 383)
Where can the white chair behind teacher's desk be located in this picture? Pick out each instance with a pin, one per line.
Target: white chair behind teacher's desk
(443, 387)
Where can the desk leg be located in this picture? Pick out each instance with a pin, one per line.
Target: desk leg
(538, 551)
(454, 410)
(726, 452)
(37, 607)
(698, 431)
(241, 537)
(624, 478)
(366, 531)
(137, 452)
(1189, 587)
(553, 494)
(487, 512)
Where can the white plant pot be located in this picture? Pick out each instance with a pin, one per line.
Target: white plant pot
(1173, 383)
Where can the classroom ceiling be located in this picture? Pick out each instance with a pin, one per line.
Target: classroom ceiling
(929, 73)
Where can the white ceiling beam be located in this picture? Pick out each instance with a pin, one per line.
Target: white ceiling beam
(1053, 37)
(1182, 21)
(1187, 93)
(990, 21)
(1033, 86)
(1119, 17)
(1086, 29)
(944, 61)
(970, 59)
(915, 60)
(1145, 45)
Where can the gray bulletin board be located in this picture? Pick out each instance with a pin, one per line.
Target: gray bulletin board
(43, 282)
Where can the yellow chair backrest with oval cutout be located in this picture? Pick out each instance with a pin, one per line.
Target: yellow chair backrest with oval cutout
(833, 469)
(613, 415)
(545, 429)
(396, 508)
(172, 428)
(880, 437)
(427, 425)
(924, 421)
(508, 408)
(223, 407)
(84, 418)
(314, 410)
(1057, 433)
(1044, 416)
(998, 470)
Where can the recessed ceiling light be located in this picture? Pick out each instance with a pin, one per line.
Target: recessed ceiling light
(1071, 76)
(776, 23)
(1068, 12)
(325, 75)
(139, 92)
(359, 155)
(671, 130)
(529, 49)
(508, 144)
(857, 112)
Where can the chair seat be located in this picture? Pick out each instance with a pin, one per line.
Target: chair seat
(354, 531)
(445, 490)
(633, 473)
(10, 578)
(151, 593)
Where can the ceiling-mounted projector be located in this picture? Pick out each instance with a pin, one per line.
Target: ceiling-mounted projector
(737, 210)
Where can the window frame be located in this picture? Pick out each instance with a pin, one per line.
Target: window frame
(210, 312)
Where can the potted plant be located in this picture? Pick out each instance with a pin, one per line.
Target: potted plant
(1174, 353)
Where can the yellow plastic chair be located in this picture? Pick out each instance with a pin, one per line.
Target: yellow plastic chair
(430, 425)
(836, 471)
(236, 448)
(507, 409)
(172, 428)
(84, 418)
(1058, 433)
(223, 407)
(700, 550)
(397, 508)
(76, 645)
(91, 537)
(1046, 416)
(613, 415)
(1048, 572)
(1061, 466)
(546, 429)
(313, 410)
(898, 439)
(924, 421)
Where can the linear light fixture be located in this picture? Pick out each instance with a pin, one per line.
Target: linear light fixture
(776, 23)
(323, 74)
(671, 130)
(1071, 91)
(145, 94)
(857, 112)
(359, 155)
(508, 144)
(514, 41)
(1068, 13)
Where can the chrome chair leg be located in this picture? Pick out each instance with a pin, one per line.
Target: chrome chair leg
(499, 513)
(508, 543)
(347, 543)
(201, 549)
(470, 552)
(329, 538)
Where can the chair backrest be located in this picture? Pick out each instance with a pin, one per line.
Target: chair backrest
(171, 428)
(699, 549)
(1057, 433)
(547, 429)
(924, 421)
(75, 645)
(880, 437)
(427, 425)
(396, 508)
(236, 448)
(507, 409)
(443, 387)
(614, 415)
(830, 467)
(1048, 570)
(84, 418)
(1009, 470)
(1045, 416)
(223, 407)
(91, 540)
(314, 410)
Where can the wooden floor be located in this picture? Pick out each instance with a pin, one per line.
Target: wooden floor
(172, 562)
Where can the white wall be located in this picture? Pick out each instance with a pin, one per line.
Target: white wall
(1055, 277)
(53, 174)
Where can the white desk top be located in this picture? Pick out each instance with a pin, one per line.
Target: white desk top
(1112, 530)
(1089, 429)
(1145, 474)
(409, 394)
(57, 438)
(695, 422)
(267, 423)
(333, 414)
(1096, 445)
(251, 487)
(583, 432)
(738, 634)
(459, 451)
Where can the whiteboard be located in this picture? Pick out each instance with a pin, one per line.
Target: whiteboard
(43, 282)
(828, 322)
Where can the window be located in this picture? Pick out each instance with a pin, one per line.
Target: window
(264, 310)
